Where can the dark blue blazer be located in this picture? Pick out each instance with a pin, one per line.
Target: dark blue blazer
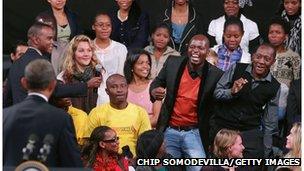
(36, 116)
(15, 93)
(131, 35)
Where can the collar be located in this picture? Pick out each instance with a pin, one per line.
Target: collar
(198, 72)
(38, 94)
(37, 50)
(118, 16)
(266, 78)
(151, 50)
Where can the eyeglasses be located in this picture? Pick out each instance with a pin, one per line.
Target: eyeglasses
(113, 140)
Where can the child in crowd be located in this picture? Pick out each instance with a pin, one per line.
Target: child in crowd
(110, 53)
(287, 65)
(230, 51)
(159, 50)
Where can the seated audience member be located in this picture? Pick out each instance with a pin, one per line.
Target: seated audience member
(293, 144)
(110, 53)
(79, 66)
(150, 145)
(130, 25)
(287, 65)
(18, 50)
(65, 24)
(241, 94)
(227, 144)
(159, 50)
(35, 119)
(230, 52)
(250, 38)
(127, 119)
(292, 14)
(183, 20)
(100, 152)
(137, 70)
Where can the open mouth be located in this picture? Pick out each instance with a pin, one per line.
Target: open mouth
(195, 58)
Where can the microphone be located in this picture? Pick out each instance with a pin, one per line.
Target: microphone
(126, 152)
(46, 148)
(30, 146)
(98, 70)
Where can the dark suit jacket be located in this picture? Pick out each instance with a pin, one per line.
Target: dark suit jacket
(15, 93)
(36, 116)
(169, 78)
(293, 111)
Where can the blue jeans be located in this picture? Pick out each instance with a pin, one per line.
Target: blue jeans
(184, 144)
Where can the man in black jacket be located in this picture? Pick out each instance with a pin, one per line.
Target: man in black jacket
(34, 115)
(184, 117)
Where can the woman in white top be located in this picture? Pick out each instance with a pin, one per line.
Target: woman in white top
(251, 32)
(110, 53)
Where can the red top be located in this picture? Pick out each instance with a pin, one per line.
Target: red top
(185, 107)
(110, 163)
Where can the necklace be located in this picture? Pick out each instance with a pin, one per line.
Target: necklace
(180, 17)
(120, 17)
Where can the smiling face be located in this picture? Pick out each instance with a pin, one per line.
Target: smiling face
(231, 7)
(262, 60)
(232, 36)
(236, 150)
(292, 6)
(57, 4)
(276, 35)
(198, 50)
(161, 38)
(124, 4)
(44, 40)
(102, 27)
(83, 54)
(142, 67)
(180, 2)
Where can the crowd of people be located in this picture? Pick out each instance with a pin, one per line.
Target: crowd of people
(181, 91)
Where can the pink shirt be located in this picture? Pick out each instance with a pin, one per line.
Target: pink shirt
(141, 99)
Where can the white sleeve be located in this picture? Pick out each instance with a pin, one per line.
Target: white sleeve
(212, 28)
(123, 55)
(254, 31)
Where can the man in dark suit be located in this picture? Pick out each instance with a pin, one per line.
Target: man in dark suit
(34, 115)
(40, 43)
(189, 83)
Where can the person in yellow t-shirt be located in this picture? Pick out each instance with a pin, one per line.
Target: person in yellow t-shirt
(127, 119)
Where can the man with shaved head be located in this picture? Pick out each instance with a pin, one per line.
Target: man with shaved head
(187, 84)
(127, 119)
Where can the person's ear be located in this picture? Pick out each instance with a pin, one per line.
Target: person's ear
(107, 91)
(52, 86)
(12, 55)
(24, 83)
(101, 144)
(93, 27)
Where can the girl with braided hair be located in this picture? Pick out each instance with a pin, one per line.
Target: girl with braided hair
(101, 151)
